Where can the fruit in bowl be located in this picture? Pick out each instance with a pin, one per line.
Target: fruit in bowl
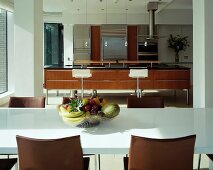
(87, 112)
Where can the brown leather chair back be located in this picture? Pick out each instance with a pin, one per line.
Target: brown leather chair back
(161, 154)
(145, 102)
(7, 164)
(65, 100)
(50, 154)
(31, 102)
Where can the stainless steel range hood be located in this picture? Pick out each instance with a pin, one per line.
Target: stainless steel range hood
(152, 7)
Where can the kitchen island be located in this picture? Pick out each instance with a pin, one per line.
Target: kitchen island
(116, 77)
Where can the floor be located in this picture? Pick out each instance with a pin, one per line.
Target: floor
(171, 98)
(115, 162)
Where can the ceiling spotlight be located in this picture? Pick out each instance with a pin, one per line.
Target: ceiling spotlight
(116, 1)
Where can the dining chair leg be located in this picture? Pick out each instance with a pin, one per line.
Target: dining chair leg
(199, 159)
(47, 95)
(99, 162)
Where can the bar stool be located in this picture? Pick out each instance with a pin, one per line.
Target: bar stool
(81, 73)
(138, 73)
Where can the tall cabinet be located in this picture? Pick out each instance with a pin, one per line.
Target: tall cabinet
(82, 44)
(132, 31)
(95, 42)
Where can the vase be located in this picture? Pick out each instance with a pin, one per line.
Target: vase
(177, 58)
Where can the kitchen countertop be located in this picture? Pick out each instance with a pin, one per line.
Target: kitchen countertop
(119, 66)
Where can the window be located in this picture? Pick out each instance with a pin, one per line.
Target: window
(3, 52)
(53, 44)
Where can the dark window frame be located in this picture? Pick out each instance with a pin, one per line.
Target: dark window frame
(48, 59)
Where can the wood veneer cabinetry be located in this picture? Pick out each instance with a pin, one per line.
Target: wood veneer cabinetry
(172, 79)
(118, 79)
(132, 42)
(95, 43)
(101, 79)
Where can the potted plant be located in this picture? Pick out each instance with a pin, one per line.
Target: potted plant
(178, 43)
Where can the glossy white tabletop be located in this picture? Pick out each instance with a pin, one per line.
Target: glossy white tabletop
(110, 137)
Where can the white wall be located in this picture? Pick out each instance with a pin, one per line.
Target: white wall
(111, 18)
(28, 54)
(167, 54)
(163, 17)
(180, 17)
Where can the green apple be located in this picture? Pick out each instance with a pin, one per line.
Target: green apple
(85, 101)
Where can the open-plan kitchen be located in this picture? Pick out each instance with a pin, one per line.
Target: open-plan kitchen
(106, 84)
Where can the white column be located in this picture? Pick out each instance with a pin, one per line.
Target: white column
(68, 44)
(202, 53)
(28, 47)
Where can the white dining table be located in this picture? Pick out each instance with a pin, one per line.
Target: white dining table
(110, 136)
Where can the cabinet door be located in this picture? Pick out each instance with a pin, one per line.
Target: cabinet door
(172, 79)
(81, 41)
(95, 43)
(132, 42)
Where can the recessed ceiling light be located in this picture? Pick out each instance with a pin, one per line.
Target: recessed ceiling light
(78, 9)
(102, 9)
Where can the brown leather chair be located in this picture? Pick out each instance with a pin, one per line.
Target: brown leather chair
(145, 102)
(7, 164)
(66, 100)
(53, 154)
(31, 102)
(27, 102)
(161, 154)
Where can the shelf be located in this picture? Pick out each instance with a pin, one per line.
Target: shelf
(150, 54)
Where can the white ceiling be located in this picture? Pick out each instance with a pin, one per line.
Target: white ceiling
(110, 6)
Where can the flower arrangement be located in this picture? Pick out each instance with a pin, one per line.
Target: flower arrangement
(178, 43)
(87, 112)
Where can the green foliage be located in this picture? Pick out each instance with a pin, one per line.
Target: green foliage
(178, 43)
(75, 104)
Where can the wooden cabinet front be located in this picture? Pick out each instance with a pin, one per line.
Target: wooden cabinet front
(118, 79)
(95, 43)
(132, 42)
(101, 79)
(60, 79)
(172, 79)
(115, 79)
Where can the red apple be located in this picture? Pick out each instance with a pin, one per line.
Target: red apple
(87, 107)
